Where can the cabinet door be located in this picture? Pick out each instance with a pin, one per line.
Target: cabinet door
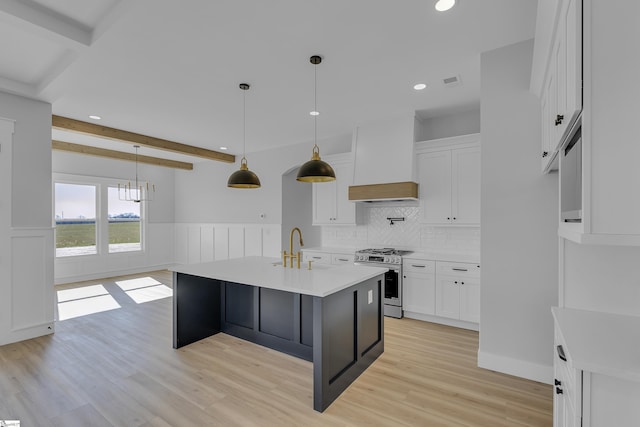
(572, 23)
(562, 117)
(546, 143)
(447, 297)
(419, 293)
(465, 203)
(434, 178)
(345, 212)
(470, 300)
(324, 203)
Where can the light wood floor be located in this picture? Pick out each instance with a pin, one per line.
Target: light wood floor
(117, 368)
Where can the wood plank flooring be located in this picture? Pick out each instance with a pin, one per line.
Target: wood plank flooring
(117, 368)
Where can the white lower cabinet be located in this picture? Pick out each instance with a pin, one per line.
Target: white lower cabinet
(320, 257)
(418, 286)
(596, 367)
(439, 290)
(458, 291)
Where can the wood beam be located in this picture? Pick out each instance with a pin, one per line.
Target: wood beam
(119, 155)
(64, 123)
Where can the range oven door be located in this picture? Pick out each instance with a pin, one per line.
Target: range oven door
(392, 286)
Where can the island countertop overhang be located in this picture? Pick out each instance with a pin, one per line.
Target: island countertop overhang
(269, 273)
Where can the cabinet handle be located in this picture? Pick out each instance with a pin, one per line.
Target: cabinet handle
(448, 218)
(454, 218)
(545, 154)
(558, 390)
(456, 282)
(342, 259)
(559, 119)
(557, 382)
(418, 266)
(458, 269)
(317, 257)
(462, 283)
(404, 277)
(561, 354)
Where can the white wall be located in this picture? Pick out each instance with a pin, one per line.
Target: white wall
(601, 278)
(448, 125)
(519, 247)
(159, 217)
(202, 195)
(26, 235)
(297, 211)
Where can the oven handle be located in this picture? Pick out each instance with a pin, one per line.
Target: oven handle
(395, 268)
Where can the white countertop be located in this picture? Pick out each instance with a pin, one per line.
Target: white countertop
(602, 343)
(332, 250)
(321, 281)
(472, 257)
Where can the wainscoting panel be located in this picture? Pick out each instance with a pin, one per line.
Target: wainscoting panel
(207, 242)
(30, 284)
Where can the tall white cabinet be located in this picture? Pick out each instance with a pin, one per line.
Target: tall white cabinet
(331, 205)
(449, 179)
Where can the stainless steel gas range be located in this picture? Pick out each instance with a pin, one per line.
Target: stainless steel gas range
(391, 259)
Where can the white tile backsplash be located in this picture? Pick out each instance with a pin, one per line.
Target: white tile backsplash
(407, 234)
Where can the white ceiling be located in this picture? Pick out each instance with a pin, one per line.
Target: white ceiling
(171, 69)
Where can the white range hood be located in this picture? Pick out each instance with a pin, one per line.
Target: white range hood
(384, 166)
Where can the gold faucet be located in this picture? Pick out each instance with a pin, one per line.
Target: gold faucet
(291, 255)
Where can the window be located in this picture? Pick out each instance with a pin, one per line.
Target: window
(124, 223)
(91, 219)
(75, 215)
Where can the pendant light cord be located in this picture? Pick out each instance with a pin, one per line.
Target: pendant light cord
(244, 123)
(315, 104)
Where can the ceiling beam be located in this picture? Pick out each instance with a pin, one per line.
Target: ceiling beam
(119, 155)
(45, 22)
(72, 125)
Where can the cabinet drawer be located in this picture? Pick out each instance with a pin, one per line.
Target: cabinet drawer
(418, 266)
(341, 258)
(459, 269)
(320, 257)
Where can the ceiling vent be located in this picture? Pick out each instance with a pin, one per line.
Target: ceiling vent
(452, 81)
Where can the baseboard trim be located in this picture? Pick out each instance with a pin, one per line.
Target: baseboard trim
(112, 273)
(517, 367)
(441, 320)
(29, 332)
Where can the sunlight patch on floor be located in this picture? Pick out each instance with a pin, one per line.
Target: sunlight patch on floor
(145, 289)
(150, 293)
(84, 306)
(140, 282)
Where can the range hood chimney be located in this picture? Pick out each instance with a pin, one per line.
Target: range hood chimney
(384, 161)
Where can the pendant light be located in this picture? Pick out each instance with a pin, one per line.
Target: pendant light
(244, 178)
(139, 191)
(315, 170)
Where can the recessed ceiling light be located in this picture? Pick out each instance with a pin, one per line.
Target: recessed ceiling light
(224, 148)
(443, 5)
(420, 86)
(94, 117)
(315, 113)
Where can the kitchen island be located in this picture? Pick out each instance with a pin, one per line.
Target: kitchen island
(330, 315)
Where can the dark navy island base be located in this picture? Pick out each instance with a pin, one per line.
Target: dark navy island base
(341, 333)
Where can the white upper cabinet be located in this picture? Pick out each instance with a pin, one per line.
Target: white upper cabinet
(331, 205)
(449, 180)
(561, 98)
(610, 148)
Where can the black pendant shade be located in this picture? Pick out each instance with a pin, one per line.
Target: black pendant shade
(315, 170)
(243, 178)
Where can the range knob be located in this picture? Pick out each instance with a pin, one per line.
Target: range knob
(386, 259)
(398, 260)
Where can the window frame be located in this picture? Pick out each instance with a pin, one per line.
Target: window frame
(102, 220)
